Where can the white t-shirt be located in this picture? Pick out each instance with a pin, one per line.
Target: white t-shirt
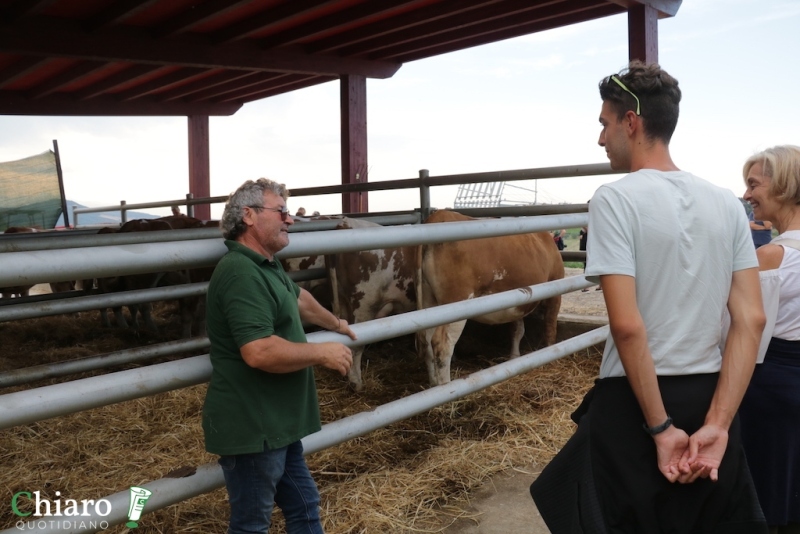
(681, 238)
(787, 324)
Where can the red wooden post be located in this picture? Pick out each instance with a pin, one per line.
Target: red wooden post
(643, 33)
(353, 98)
(199, 173)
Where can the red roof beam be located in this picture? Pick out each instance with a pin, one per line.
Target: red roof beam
(49, 37)
(430, 13)
(195, 16)
(159, 84)
(129, 75)
(514, 12)
(258, 78)
(20, 69)
(271, 90)
(116, 13)
(214, 80)
(336, 23)
(269, 18)
(424, 50)
(78, 72)
(23, 8)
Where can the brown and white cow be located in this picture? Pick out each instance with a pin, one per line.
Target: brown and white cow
(320, 289)
(461, 270)
(369, 285)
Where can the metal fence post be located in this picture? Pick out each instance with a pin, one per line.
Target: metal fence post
(189, 207)
(424, 194)
(123, 213)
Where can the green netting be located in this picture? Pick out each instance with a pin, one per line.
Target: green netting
(29, 192)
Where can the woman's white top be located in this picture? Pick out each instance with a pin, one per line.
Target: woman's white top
(787, 322)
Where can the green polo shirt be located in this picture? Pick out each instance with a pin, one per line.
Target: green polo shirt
(246, 409)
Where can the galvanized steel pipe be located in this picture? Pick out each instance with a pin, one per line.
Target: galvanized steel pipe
(208, 477)
(21, 268)
(13, 312)
(100, 361)
(25, 407)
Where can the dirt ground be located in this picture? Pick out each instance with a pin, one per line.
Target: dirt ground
(583, 303)
(503, 504)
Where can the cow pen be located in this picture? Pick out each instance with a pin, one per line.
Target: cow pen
(132, 258)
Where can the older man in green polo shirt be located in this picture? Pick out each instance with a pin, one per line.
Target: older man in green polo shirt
(262, 399)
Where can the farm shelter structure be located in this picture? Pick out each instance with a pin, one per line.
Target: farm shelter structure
(201, 59)
(170, 58)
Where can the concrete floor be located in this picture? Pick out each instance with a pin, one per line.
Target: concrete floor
(503, 506)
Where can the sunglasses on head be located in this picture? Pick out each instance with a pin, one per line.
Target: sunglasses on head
(625, 88)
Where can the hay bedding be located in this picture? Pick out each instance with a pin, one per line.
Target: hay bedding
(414, 476)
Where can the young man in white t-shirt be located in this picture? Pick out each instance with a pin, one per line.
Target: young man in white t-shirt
(670, 251)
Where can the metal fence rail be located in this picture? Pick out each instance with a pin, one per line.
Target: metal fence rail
(424, 182)
(33, 267)
(208, 477)
(28, 406)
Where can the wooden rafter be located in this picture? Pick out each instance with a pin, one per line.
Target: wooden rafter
(16, 103)
(485, 29)
(126, 76)
(197, 15)
(20, 69)
(399, 23)
(74, 74)
(209, 82)
(665, 8)
(180, 75)
(221, 90)
(279, 14)
(348, 16)
(58, 38)
(24, 8)
(116, 13)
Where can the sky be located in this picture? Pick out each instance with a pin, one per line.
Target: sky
(523, 103)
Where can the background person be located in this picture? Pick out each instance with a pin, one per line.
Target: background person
(770, 411)
(262, 399)
(761, 231)
(558, 237)
(657, 448)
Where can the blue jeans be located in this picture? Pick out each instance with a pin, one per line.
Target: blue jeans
(281, 476)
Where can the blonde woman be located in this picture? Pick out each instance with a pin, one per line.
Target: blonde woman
(770, 411)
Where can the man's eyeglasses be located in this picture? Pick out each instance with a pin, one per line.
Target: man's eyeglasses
(625, 88)
(283, 210)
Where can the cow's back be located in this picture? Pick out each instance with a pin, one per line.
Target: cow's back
(459, 270)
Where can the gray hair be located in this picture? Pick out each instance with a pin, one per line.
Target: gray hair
(250, 193)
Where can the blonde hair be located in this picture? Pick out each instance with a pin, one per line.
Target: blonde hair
(782, 164)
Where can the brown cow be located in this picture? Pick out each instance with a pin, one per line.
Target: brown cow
(369, 285)
(133, 282)
(191, 308)
(460, 270)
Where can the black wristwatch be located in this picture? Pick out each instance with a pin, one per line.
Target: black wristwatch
(658, 429)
